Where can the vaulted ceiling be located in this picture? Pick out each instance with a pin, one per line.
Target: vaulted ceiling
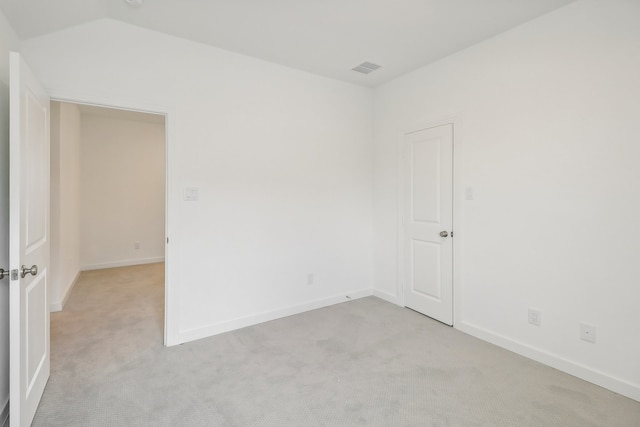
(325, 37)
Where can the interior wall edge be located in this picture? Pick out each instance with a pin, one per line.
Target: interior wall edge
(122, 263)
(243, 322)
(570, 367)
(59, 305)
(386, 296)
(4, 414)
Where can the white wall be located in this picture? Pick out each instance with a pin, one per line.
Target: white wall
(65, 201)
(282, 160)
(123, 192)
(8, 41)
(550, 116)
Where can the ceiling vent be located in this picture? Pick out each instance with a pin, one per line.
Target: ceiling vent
(134, 3)
(366, 67)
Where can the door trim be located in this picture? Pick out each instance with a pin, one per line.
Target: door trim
(171, 291)
(458, 200)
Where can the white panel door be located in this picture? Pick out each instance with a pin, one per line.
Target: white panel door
(29, 242)
(427, 216)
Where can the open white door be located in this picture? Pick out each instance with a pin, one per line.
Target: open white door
(29, 242)
(427, 212)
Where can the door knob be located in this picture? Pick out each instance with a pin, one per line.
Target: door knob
(3, 272)
(24, 270)
(444, 234)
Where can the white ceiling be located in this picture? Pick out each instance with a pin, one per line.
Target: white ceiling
(326, 37)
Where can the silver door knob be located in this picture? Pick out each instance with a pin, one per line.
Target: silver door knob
(24, 270)
(3, 272)
(444, 234)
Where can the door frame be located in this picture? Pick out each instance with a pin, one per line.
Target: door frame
(171, 294)
(458, 201)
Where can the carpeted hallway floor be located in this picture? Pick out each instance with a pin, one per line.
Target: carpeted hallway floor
(361, 363)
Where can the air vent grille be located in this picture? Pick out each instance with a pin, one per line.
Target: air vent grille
(366, 67)
(134, 3)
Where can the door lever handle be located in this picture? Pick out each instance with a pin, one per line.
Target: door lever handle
(24, 270)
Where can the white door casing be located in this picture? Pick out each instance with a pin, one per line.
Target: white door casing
(29, 242)
(427, 212)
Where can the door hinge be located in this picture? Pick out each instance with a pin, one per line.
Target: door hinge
(452, 234)
(14, 274)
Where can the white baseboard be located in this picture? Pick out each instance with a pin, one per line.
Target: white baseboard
(243, 322)
(4, 415)
(124, 263)
(393, 299)
(586, 373)
(58, 306)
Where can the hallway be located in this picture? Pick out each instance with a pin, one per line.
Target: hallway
(99, 337)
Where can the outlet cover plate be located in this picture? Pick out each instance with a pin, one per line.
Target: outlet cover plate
(588, 332)
(534, 316)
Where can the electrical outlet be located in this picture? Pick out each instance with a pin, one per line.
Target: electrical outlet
(534, 316)
(191, 194)
(136, 245)
(468, 193)
(588, 332)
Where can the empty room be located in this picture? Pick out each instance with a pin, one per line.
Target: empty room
(411, 213)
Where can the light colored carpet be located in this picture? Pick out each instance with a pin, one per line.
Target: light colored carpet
(361, 363)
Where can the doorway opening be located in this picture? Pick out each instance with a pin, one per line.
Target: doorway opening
(108, 195)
